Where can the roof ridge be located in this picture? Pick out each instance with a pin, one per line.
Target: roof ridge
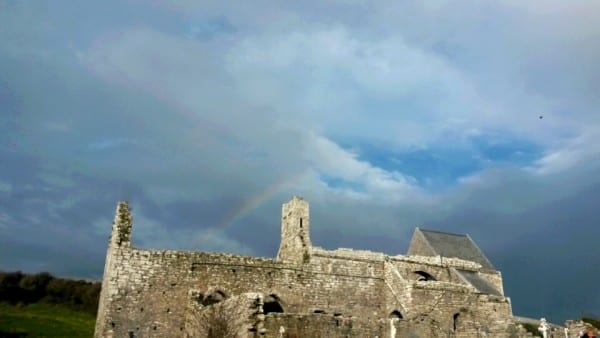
(444, 233)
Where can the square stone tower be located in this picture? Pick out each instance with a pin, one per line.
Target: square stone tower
(295, 232)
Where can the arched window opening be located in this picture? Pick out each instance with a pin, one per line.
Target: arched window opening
(424, 276)
(395, 314)
(212, 298)
(272, 304)
(455, 320)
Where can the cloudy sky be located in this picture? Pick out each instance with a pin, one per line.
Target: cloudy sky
(468, 117)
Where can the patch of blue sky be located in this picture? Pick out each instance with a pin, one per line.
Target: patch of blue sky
(209, 28)
(431, 168)
(442, 165)
(340, 183)
(515, 151)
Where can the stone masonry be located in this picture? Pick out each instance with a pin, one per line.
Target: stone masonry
(443, 287)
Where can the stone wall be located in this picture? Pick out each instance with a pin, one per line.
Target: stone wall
(322, 326)
(576, 328)
(147, 291)
(335, 293)
(237, 316)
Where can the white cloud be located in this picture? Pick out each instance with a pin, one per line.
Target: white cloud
(5, 187)
(5, 220)
(345, 74)
(275, 92)
(58, 127)
(275, 106)
(330, 159)
(577, 151)
(110, 143)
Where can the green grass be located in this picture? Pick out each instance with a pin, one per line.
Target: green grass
(592, 321)
(44, 320)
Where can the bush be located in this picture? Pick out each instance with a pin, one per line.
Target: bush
(16, 287)
(9, 287)
(592, 321)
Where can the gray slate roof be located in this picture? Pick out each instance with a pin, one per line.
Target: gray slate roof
(455, 245)
(479, 283)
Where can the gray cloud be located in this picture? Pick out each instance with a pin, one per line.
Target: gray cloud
(208, 116)
(543, 251)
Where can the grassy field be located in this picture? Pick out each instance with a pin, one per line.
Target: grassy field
(43, 320)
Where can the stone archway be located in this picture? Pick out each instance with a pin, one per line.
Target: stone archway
(272, 304)
(424, 276)
(395, 315)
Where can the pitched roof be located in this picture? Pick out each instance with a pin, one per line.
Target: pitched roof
(479, 283)
(451, 245)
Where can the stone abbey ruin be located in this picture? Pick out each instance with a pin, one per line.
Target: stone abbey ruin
(443, 287)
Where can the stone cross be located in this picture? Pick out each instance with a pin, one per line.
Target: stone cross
(544, 327)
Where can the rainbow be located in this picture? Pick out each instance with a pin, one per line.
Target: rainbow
(254, 202)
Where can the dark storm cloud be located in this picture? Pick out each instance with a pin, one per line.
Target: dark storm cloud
(49, 213)
(208, 116)
(542, 251)
(185, 215)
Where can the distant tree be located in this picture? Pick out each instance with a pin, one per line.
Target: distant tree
(80, 295)
(58, 291)
(91, 297)
(9, 286)
(33, 287)
(592, 321)
(16, 287)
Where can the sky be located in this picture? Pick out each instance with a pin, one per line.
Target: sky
(460, 116)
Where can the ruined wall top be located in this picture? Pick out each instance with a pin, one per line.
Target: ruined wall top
(365, 255)
(121, 232)
(295, 243)
(346, 253)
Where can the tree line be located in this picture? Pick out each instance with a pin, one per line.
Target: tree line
(20, 288)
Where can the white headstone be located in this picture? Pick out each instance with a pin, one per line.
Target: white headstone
(544, 327)
(281, 331)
